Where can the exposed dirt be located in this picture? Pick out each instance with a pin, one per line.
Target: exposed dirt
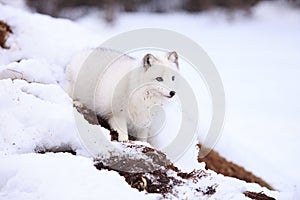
(210, 190)
(63, 149)
(219, 164)
(257, 196)
(5, 31)
(159, 181)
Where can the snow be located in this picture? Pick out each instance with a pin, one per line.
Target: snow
(64, 176)
(27, 27)
(32, 118)
(257, 58)
(61, 176)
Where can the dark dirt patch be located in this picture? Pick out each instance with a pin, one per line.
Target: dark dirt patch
(58, 149)
(219, 164)
(210, 190)
(158, 181)
(162, 179)
(114, 134)
(5, 31)
(194, 175)
(90, 116)
(258, 196)
(150, 171)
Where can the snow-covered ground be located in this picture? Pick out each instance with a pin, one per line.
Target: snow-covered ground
(258, 61)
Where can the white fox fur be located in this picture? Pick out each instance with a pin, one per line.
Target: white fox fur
(123, 91)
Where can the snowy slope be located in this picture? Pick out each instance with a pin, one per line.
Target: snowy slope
(39, 115)
(68, 177)
(60, 176)
(31, 117)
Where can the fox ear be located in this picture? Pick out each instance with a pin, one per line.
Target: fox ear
(173, 57)
(148, 61)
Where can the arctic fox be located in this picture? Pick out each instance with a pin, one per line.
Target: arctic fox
(124, 90)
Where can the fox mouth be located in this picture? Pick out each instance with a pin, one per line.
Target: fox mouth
(168, 96)
(171, 94)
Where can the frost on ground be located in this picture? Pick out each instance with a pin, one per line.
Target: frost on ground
(37, 116)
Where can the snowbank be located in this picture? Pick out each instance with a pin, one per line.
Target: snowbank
(35, 116)
(60, 176)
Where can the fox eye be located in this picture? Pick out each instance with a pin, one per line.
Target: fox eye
(160, 79)
(173, 78)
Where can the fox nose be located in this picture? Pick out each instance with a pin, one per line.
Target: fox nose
(172, 93)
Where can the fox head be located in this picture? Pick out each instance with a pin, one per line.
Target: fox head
(161, 71)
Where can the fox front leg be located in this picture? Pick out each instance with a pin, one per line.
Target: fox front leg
(119, 124)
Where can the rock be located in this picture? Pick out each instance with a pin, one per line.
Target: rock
(5, 31)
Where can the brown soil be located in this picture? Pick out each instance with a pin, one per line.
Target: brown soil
(219, 164)
(257, 196)
(5, 30)
(159, 180)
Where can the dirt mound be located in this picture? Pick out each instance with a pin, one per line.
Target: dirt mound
(166, 180)
(157, 181)
(257, 196)
(5, 31)
(219, 164)
(163, 180)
